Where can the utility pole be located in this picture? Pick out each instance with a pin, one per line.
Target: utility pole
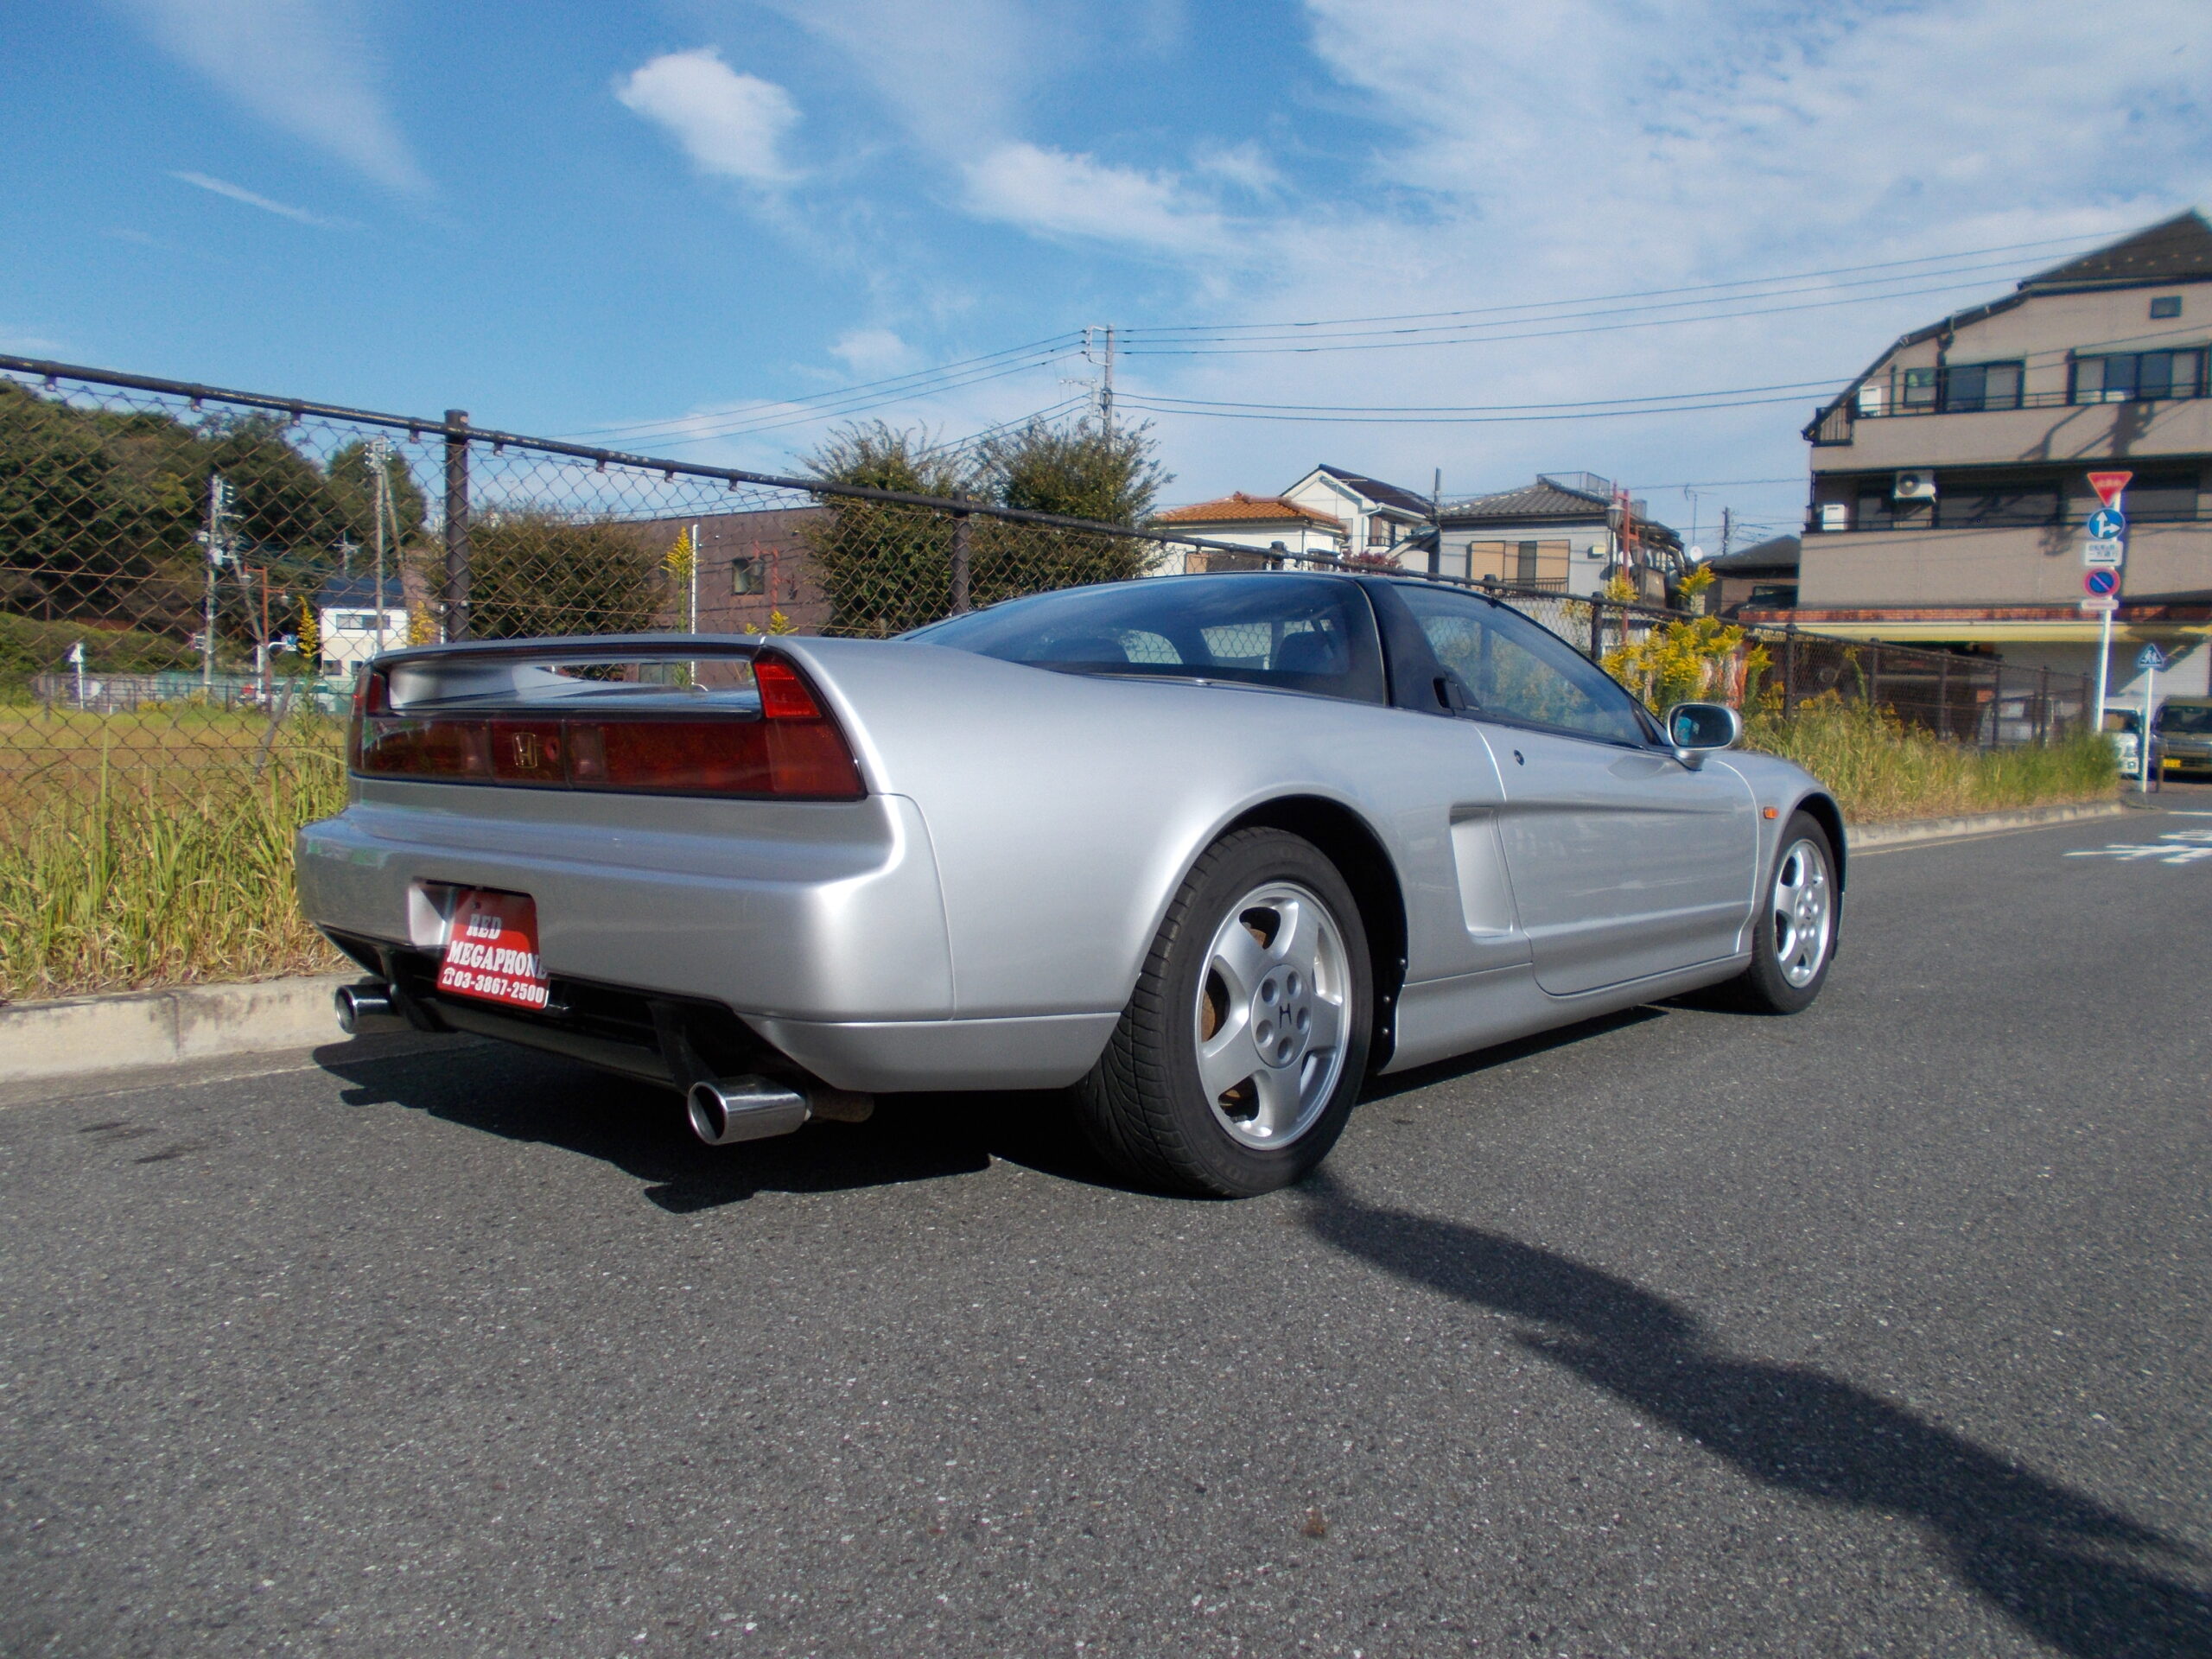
(216, 536)
(380, 502)
(1104, 391)
(1727, 528)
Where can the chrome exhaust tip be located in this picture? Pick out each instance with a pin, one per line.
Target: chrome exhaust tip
(367, 1008)
(725, 1110)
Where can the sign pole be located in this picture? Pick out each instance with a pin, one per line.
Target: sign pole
(2143, 741)
(2104, 660)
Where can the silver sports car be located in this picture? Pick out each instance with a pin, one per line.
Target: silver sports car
(1204, 851)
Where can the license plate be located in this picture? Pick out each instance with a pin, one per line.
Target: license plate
(492, 949)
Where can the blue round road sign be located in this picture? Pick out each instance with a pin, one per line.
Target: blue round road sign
(2101, 582)
(2107, 524)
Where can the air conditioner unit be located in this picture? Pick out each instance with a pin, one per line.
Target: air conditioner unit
(1871, 396)
(1914, 486)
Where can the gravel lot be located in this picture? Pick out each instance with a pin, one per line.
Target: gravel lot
(1878, 1331)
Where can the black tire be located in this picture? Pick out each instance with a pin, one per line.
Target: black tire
(1775, 982)
(1145, 1106)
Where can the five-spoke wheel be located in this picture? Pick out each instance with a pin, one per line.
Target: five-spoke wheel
(1237, 1060)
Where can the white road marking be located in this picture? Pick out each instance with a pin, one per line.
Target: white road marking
(2175, 847)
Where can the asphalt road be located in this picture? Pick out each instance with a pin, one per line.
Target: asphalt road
(1878, 1331)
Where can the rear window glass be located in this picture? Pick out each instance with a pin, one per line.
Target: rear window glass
(1297, 632)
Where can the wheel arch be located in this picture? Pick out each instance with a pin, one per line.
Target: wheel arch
(1823, 810)
(1350, 843)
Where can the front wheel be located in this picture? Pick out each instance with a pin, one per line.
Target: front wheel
(1238, 1059)
(1794, 930)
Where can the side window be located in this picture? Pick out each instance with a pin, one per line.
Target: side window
(1510, 669)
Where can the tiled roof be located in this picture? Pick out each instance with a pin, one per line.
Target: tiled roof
(1376, 490)
(2178, 250)
(1243, 509)
(1777, 553)
(1542, 500)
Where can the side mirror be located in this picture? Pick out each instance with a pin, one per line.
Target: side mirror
(1697, 730)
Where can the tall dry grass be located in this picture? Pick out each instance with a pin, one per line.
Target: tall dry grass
(1881, 769)
(139, 881)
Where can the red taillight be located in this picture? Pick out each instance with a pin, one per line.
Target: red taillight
(792, 752)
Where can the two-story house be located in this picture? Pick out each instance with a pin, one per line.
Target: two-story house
(1568, 532)
(1330, 511)
(1381, 520)
(1950, 482)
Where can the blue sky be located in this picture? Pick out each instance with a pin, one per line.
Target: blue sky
(573, 218)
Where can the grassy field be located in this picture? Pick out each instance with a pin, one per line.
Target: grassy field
(154, 849)
(1882, 771)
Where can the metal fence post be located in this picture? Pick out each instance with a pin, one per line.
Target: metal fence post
(960, 600)
(2042, 705)
(456, 524)
(1789, 668)
(1597, 629)
(1943, 697)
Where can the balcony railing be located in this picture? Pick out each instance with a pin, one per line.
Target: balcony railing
(2071, 518)
(1835, 423)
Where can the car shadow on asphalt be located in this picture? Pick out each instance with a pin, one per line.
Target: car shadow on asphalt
(2075, 1574)
(641, 1129)
(1488, 1059)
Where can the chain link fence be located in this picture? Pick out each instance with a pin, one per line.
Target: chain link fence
(190, 578)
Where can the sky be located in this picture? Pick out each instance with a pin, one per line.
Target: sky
(710, 228)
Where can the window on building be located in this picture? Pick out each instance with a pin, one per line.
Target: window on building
(2123, 377)
(1524, 564)
(2168, 496)
(1987, 503)
(2166, 305)
(1378, 532)
(747, 576)
(1918, 390)
(1874, 510)
(1969, 387)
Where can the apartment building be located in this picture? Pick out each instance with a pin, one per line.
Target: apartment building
(1950, 482)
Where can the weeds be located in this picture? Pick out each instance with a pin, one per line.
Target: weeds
(130, 885)
(1880, 768)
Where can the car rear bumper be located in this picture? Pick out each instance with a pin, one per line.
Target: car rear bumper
(812, 935)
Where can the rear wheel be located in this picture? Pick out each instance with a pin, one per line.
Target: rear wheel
(1794, 934)
(1234, 1065)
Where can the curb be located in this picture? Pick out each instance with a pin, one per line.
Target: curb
(1908, 830)
(84, 1035)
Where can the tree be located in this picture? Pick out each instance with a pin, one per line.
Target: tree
(885, 569)
(888, 568)
(535, 574)
(353, 486)
(1085, 470)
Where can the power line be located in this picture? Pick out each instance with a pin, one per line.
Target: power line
(915, 382)
(1493, 409)
(1542, 333)
(779, 417)
(1639, 294)
(1149, 407)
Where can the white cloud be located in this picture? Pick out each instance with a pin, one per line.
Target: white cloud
(872, 351)
(1053, 192)
(1588, 147)
(1243, 167)
(302, 65)
(239, 192)
(954, 72)
(729, 123)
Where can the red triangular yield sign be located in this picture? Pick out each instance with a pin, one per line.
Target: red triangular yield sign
(2109, 484)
